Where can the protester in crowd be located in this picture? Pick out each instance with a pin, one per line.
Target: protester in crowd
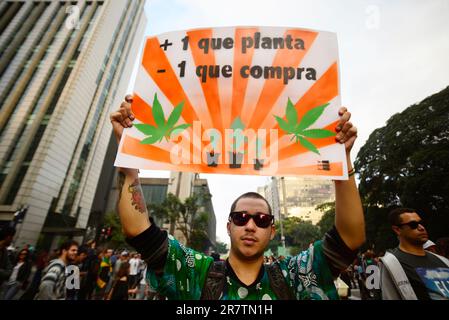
(53, 284)
(40, 264)
(142, 288)
(134, 263)
(123, 257)
(430, 246)
(6, 235)
(104, 273)
(120, 289)
(250, 227)
(91, 266)
(405, 267)
(369, 263)
(19, 276)
(72, 294)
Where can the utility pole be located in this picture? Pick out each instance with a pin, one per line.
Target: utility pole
(275, 187)
(284, 197)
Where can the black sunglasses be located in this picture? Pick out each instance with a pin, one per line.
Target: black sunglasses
(241, 218)
(412, 224)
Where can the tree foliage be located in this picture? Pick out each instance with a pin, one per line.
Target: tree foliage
(327, 221)
(406, 163)
(298, 235)
(221, 247)
(117, 239)
(186, 216)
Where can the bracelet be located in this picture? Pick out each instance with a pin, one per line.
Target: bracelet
(351, 172)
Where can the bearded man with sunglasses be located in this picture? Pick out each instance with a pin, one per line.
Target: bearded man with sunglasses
(405, 270)
(178, 272)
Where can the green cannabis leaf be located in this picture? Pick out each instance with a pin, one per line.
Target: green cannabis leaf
(299, 130)
(237, 136)
(259, 147)
(163, 129)
(214, 138)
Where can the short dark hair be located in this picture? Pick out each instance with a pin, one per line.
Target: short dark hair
(394, 217)
(7, 231)
(251, 195)
(82, 249)
(66, 245)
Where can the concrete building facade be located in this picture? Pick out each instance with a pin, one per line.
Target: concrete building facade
(155, 190)
(298, 196)
(65, 65)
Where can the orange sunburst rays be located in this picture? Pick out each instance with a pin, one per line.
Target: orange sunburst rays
(154, 59)
(143, 112)
(209, 87)
(254, 114)
(273, 88)
(322, 92)
(240, 84)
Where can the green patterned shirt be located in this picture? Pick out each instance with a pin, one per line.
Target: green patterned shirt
(307, 274)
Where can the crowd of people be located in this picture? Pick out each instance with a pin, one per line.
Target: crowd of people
(411, 271)
(103, 273)
(357, 274)
(107, 274)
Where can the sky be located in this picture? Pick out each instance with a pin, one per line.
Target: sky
(392, 54)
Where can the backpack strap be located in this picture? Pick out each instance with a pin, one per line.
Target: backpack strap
(399, 277)
(278, 284)
(444, 259)
(215, 281)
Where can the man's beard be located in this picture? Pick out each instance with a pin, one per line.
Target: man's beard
(417, 241)
(254, 256)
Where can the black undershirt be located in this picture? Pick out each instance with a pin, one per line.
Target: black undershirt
(410, 262)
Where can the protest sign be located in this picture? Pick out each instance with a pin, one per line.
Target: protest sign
(237, 100)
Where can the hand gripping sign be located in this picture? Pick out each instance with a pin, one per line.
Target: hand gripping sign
(237, 100)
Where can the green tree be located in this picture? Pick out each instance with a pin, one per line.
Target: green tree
(117, 239)
(298, 235)
(406, 163)
(327, 221)
(168, 211)
(186, 216)
(378, 231)
(221, 247)
(193, 223)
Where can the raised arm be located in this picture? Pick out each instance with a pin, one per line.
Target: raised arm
(131, 203)
(349, 219)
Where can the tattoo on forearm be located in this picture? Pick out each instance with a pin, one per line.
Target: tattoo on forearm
(136, 196)
(120, 182)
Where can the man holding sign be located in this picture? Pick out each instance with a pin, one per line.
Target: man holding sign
(178, 272)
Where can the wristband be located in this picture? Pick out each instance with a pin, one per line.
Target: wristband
(351, 172)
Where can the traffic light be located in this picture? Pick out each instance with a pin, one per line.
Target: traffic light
(108, 232)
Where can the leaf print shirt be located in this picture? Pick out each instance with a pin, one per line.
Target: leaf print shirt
(182, 273)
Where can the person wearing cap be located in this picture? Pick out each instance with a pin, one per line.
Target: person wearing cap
(124, 256)
(430, 246)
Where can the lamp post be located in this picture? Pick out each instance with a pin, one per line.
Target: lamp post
(275, 188)
(284, 197)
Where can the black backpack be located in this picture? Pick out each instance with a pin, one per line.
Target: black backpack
(216, 280)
